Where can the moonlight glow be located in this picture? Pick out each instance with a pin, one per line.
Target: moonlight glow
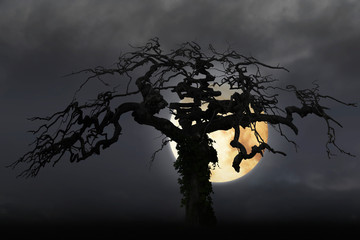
(224, 172)
(226, 154)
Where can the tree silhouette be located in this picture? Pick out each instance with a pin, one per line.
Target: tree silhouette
(84, 129)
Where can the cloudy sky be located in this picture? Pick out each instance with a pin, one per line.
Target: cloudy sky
(41, 41)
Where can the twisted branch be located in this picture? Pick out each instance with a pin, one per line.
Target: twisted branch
(82, 130)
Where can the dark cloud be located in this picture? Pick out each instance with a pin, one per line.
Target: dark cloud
(43, 40)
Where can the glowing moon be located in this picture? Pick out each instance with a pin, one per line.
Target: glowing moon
(224, 172)
(226, 154)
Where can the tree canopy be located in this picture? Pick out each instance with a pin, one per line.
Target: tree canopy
(160, 80)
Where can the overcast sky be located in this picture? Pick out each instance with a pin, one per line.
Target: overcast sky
(41, 41)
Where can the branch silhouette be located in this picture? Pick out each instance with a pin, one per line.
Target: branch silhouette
(82, 130)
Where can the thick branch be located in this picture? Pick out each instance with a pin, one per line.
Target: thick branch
(142, 116)
(254, 150)
(243, 154)
(227, 122)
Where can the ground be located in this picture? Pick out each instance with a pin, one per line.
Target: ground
(162, 230)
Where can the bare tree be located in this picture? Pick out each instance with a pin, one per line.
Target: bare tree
(84, 129)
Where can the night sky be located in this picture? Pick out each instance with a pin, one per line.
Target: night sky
(41, 41)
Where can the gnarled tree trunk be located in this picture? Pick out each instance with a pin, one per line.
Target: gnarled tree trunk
(199, 211)
(193, 167)
(192, 204)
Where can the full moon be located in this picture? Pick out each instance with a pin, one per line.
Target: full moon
(224, 172)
